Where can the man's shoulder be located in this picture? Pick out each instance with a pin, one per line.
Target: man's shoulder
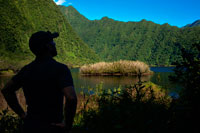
(25, 67)
(60, 65)
(52, 64)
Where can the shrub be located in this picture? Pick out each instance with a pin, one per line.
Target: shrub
(133, 109)
(9, 122)
(186, 109)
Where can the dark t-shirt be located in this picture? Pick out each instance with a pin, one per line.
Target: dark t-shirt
(42, 82)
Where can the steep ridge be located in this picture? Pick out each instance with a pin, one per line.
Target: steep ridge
(20, 18)
(194, 24)
(145, 41)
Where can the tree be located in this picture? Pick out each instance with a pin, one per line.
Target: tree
(187, 73)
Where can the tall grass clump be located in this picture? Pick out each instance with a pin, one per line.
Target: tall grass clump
(122, 67)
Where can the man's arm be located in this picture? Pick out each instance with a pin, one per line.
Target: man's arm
(9, 93)
(70, 106)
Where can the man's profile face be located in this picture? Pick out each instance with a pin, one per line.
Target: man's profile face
(52, 48)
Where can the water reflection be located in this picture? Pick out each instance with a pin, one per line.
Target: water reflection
(160, 77)
(109, 81)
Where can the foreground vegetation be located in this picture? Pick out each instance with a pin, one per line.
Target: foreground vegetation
(116, 68)
(111, 109)
(135, 108)
(6, 72)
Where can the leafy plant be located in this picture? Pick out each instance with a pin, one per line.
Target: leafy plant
(186, 109)
(130, 110)
(9, 122)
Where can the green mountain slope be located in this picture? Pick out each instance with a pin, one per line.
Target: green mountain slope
(20, 18)
(145, 41)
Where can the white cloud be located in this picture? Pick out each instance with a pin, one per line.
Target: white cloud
(69, 3)
(60, 2)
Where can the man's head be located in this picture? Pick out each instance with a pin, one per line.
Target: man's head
(41, 43)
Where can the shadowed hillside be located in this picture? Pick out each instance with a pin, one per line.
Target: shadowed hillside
(194, 24)
(21, 18)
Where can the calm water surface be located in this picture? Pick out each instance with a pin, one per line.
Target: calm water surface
(159, 77)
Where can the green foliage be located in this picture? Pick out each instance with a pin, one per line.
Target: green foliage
(9, 123)
(21, 18)
(187, 73)
(135, 109)
(145, 41)
(6, 72)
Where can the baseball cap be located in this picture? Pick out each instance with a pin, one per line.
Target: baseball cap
(38, 39)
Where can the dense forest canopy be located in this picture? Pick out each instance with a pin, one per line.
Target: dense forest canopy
(21, 18)
(111, 40)
(145, 41)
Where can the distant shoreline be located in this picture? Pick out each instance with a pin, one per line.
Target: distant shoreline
(6, 72)
(117, 74)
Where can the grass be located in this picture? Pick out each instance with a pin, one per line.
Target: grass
(122, 67)
(6, 72)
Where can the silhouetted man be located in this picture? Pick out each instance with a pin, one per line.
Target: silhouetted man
(45, 82)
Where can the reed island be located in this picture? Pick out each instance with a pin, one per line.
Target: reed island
(122, 67)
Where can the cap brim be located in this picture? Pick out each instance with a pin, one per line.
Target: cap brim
(55, 34)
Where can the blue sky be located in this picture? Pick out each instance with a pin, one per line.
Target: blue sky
(174, 12)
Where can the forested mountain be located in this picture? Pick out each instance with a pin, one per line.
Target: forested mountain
(145, 41)
(196, 23)
(20, 18)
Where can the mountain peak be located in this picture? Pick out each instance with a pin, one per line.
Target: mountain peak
(194, 24)
(144, 40)
(71, 12)
(106, 18)
(71, 7)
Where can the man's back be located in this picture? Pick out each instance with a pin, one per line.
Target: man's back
(42, 82)
(45, 82)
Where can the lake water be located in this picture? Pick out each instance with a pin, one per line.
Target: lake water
(160, 77)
